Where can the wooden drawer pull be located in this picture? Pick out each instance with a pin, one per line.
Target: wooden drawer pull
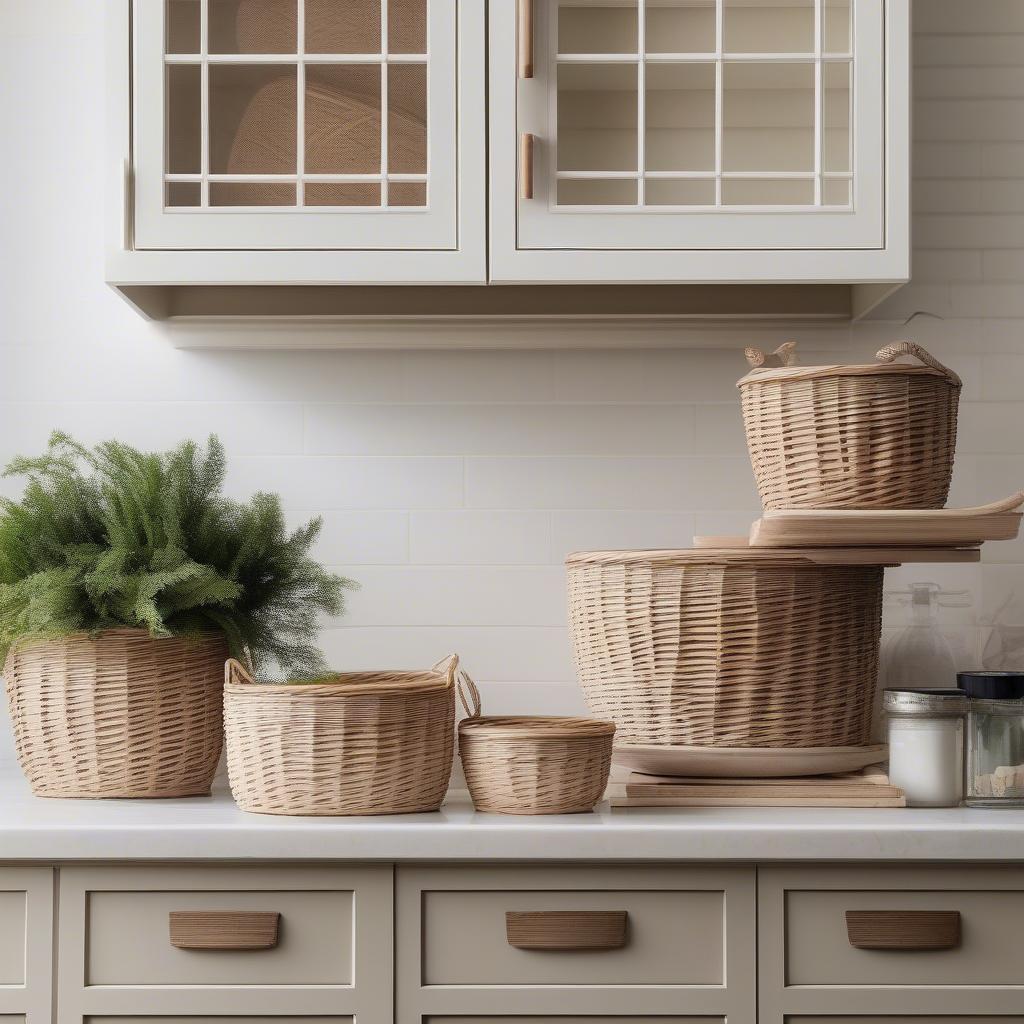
(903, 929)
(525, 166)
(524, 41)
(566, 929)
(224, 929)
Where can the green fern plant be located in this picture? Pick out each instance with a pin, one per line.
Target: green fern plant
(112, 536)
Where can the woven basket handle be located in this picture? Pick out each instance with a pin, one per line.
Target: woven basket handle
(909, 348)
(236, 672)
(784, 355)
(469, 695)
(449, 668)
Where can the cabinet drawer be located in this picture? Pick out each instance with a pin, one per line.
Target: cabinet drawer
(892, 939)
(577, 940)
(283, 940)
(26, 943)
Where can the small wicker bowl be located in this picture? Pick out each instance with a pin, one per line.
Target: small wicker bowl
(533, 765)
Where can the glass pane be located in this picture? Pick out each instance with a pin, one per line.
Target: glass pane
(184, 193)
(252, 119)
(407, 26)
(343, 26)
(595, 192)
(183, 119)
(837, 26)
(343, 119)
(183, 26)
(597, 28)
(835, 192)
(252, 26)
(407, 193)
(674, 27)
(767, 192)
(597, 117)
(680, 114)
(769, 26)
(407, 118)
(252, 193)
(680, 192)
(836, 106)
(768, 112)
(342, 193)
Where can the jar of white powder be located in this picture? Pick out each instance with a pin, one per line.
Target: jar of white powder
(926, 745)
(995, 738)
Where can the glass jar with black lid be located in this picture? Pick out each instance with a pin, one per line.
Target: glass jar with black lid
(995, 738)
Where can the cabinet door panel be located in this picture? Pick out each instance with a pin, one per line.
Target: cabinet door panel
(26, 943)
(298, 125)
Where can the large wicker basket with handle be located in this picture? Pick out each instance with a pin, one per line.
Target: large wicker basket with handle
(361, 743)
(727, 648)
(117, 714)
(534, 764)
(874, 436)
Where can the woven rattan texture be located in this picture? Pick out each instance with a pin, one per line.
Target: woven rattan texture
(119, 714)
(535, 765)
(727, 653)
(880, 438)
(368, 743)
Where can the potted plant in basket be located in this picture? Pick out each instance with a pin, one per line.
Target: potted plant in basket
(126, 579)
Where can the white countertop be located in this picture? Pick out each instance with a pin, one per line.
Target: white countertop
(213, 828)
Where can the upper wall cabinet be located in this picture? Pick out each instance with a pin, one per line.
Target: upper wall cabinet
(754, 149)
(298, 141)
(699, 140)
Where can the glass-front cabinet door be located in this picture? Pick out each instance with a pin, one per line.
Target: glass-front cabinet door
(295, 124)
(700, 125)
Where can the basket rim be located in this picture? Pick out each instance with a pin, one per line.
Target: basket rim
(380, 681)
(535, 727)
(768, 557)
(768, 373)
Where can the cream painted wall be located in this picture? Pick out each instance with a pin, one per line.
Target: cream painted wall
(453, 483)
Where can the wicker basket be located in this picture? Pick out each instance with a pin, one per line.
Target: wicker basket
(877, 436)
(367, 743)
(727, 648)
(117, 714)
(534, 765)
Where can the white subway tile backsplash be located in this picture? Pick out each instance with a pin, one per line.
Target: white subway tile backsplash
(488, 537)
(378, 537)
(487, 429)
(610, 531)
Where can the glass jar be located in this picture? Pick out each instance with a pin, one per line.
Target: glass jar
(995, 738)
(926, 745)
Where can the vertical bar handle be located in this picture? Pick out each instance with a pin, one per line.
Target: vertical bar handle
(524, 37)
(525, 166)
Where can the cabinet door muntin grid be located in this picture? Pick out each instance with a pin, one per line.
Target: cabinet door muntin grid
(295, 124)
(657, 120)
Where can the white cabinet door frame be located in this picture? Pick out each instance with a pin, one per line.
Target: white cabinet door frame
(532, 240)
(32, 998)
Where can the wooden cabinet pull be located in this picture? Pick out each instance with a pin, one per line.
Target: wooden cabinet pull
(903, 929)
(524, 38)
(566, 929)
(224, 929)
(526, 166)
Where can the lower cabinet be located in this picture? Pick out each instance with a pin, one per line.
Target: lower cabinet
(518, 944)
(587, 943)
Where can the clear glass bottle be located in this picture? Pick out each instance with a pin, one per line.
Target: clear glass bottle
(926, 745)
(995, 738)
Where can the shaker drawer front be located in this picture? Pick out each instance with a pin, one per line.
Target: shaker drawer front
(26, 945)
(311, 941)
(586, 941)
(881, 940)
(481, 1019)
(671, 938)
(129, 939)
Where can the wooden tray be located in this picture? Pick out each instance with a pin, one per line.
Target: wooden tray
(746, 762)
(900, 529)
(839, 554)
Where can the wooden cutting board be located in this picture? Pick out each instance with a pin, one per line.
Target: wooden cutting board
(839, 554)
(957, 528)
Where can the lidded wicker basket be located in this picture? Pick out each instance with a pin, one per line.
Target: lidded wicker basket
(118, 713)
(363, 743)
(727, 648)
(532, 764)
(874, 436)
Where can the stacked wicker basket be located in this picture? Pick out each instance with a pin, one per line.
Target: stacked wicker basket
(710, 651)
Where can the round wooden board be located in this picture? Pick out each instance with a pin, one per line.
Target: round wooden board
(746, 762)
